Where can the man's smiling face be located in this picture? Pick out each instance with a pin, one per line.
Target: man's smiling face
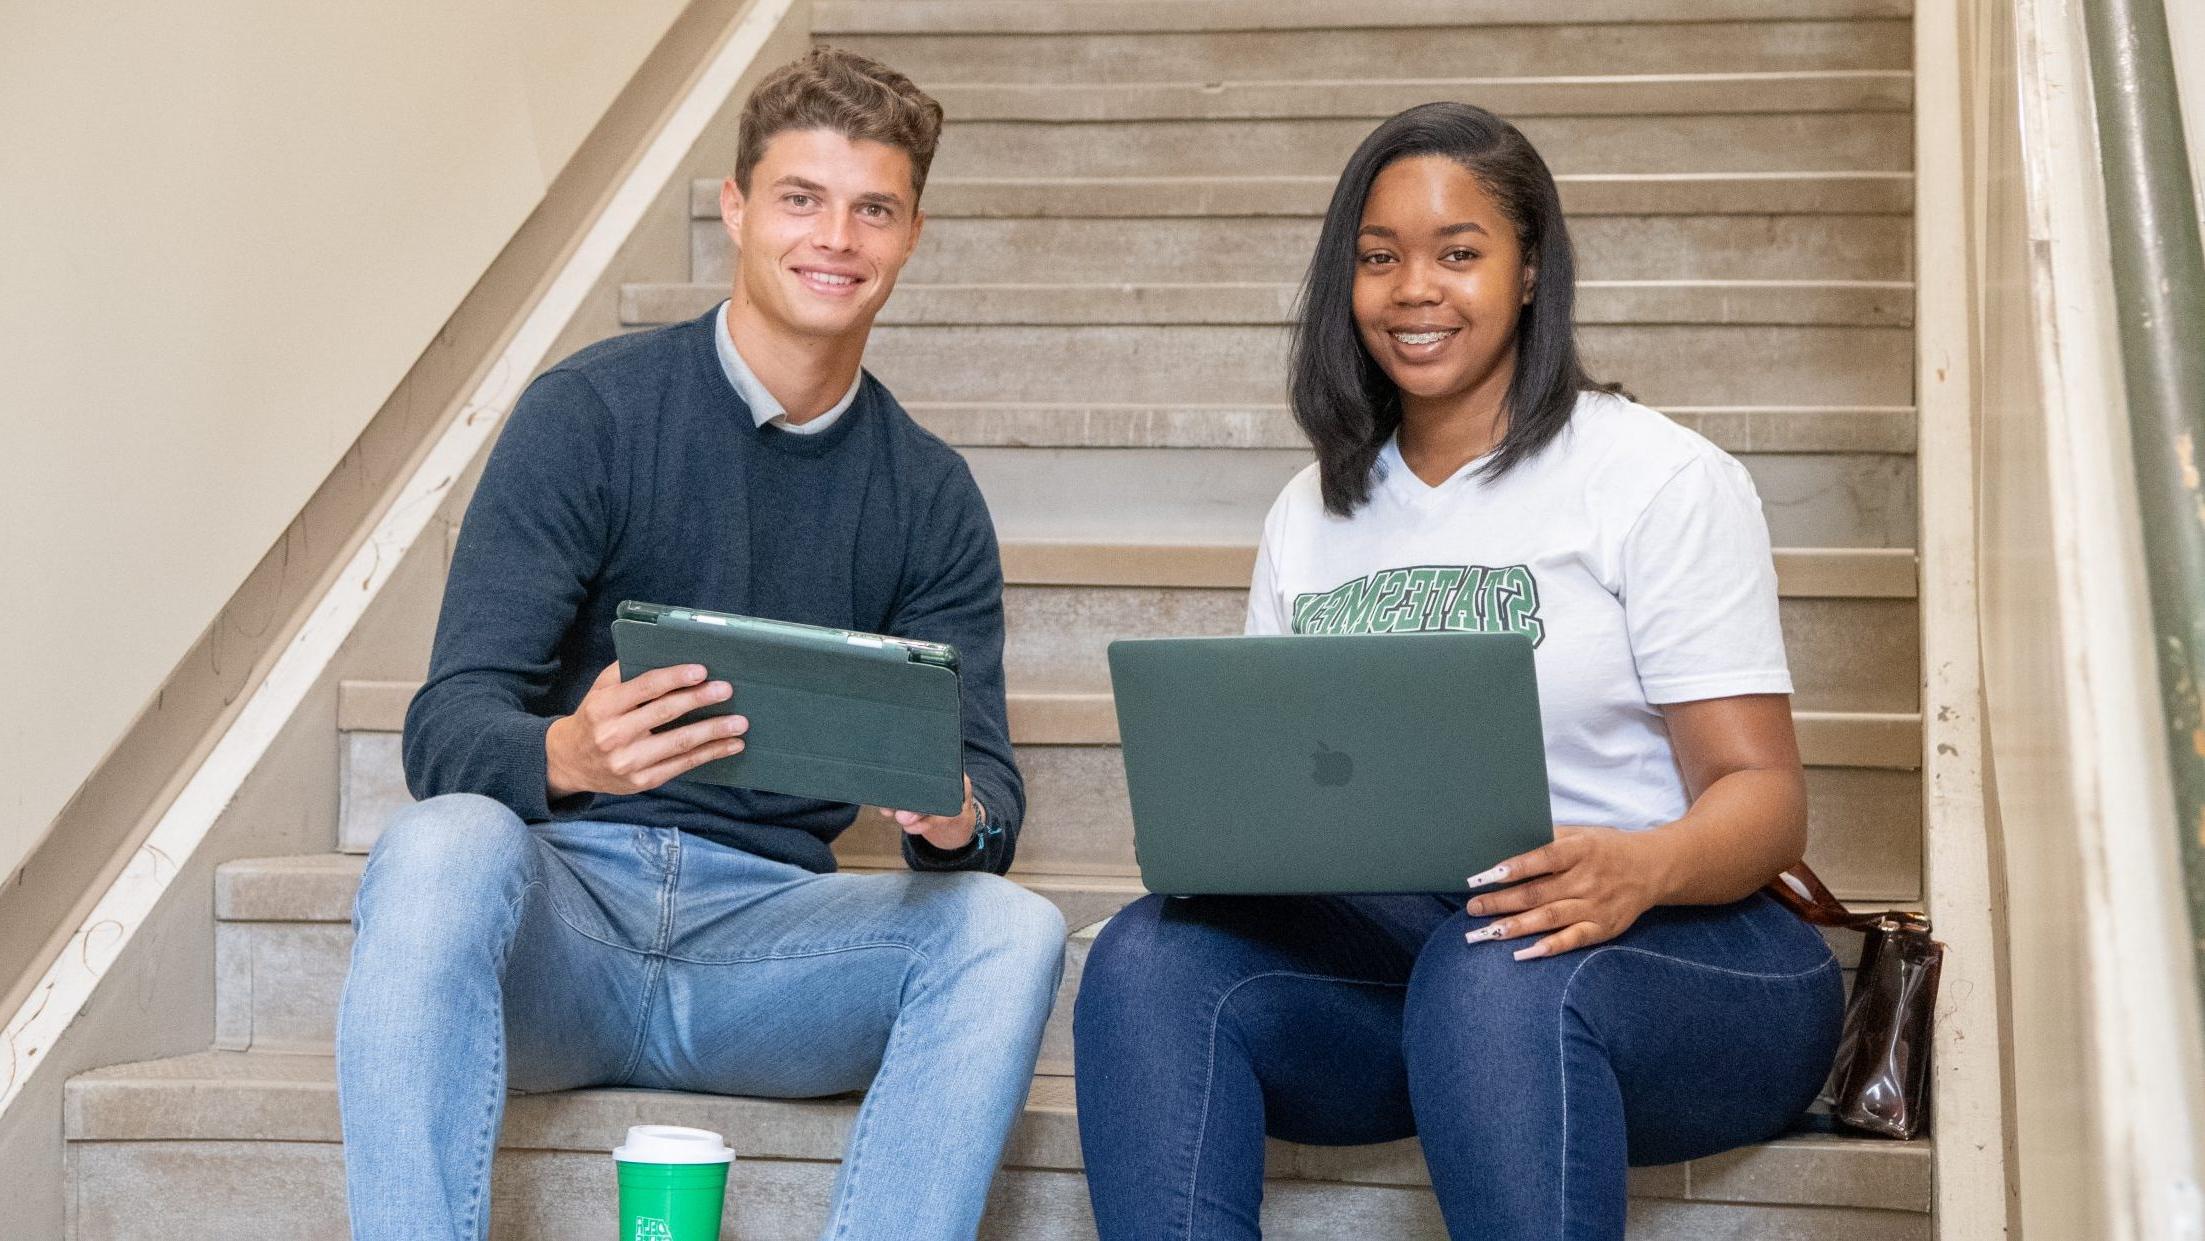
(825, 227)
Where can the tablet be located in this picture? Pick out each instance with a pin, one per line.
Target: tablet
(841, 716)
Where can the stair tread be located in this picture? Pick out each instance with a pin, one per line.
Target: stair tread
(942, 17)
(318, 887)
(271, 1096)
(1802, 572)
(1885, 739)
(1705, 303)
(1673, 94)
(1726, 193)
(1038, 424)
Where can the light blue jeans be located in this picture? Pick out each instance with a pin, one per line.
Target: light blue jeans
(492, 953)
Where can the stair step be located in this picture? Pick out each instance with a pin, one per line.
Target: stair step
(1845, 654)
(1766, 142)
(1801, 573)
(1879, 739)
(1663, 94)
(1854, 303)
(845, 17)
(279, 977)
(1864, 810)
(1844, 500)
(246, 1144)
(1010, 424)
(1826, 247)
(279, 980)
(1863, 790)
(1878, 573)
(1584, 196)
(1149, 365)
(319, 887)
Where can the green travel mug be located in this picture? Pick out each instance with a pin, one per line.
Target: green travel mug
(672, 1183)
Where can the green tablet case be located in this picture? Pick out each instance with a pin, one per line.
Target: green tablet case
(836, 715)
(1342, 763)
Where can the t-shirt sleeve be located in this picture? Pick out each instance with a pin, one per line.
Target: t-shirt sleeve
(1699, 589)
(1266, 611)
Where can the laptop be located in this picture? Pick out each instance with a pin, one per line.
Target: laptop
(1330, 764)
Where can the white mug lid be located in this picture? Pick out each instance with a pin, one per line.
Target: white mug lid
(672, 1144)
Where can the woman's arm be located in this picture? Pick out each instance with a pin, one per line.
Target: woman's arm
(1747, 822)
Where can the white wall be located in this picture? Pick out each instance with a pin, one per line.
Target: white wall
(226, 230)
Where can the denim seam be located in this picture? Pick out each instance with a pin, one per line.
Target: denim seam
(1209, 1072)
(1561, 1048)
(655, 972)
(863, 1125)
(486, 1144)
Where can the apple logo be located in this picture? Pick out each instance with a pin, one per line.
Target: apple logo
(1332, 767)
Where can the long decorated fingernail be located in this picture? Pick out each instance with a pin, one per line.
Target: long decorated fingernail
(1490, 931)
(1494, 875)
(1526, 954)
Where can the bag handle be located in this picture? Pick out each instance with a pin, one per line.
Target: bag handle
(1800, 890)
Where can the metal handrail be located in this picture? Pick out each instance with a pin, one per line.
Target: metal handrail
(2159, 289)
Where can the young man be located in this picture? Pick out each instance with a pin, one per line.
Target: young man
(554, 913)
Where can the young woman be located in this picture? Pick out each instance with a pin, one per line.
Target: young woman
(1628, 998)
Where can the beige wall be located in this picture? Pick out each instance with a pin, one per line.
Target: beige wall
(226, 231)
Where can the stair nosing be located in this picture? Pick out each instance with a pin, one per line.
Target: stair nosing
(192, 1088)
(938, 18)
(1802, 192)
(1705, 303)
(1885, 429)
(1638, 95)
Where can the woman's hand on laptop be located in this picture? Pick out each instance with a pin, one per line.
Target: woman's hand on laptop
(1587, 887)
(607, 745)
(947, 832)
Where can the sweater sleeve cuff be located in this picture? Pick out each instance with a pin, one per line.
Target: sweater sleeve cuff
(514, 748)
(979, 853)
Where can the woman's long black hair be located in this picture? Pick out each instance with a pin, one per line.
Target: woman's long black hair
(1343, 401)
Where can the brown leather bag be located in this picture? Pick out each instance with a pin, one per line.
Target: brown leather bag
(1880, 1081)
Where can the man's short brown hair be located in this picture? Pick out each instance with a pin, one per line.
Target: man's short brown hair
(845, 93)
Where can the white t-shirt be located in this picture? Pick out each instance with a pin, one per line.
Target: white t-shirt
(1631, 550)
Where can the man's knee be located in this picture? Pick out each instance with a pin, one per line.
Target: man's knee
(445, 860)
(1015, 928)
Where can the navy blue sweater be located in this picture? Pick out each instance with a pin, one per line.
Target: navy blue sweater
(632, 470)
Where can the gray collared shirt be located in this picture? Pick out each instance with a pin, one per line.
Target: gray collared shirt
(763, 408)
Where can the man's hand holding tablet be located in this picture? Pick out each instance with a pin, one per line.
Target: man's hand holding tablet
(607, 745)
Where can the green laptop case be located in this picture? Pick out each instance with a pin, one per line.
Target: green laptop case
(1330, 764)
(836, 715)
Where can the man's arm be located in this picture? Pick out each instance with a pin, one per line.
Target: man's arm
(534, 538)
(954, 594)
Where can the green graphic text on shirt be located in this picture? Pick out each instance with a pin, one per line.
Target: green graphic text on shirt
(1428, 599)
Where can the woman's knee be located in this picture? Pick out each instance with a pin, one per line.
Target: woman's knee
(1464, 995)
(1130, 946)
(1164, 957)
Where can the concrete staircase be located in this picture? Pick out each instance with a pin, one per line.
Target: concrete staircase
(1124, 198)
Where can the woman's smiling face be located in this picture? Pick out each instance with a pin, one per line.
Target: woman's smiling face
(1440, 282)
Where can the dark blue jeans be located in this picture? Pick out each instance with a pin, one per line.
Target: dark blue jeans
(1205, 1023)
